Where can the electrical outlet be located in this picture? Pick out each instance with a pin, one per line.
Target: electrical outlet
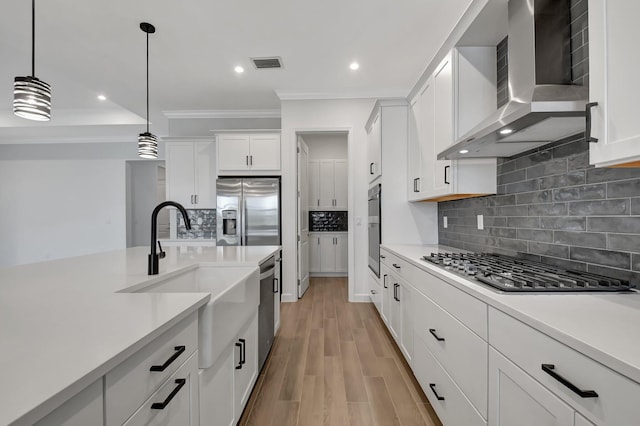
(445, 222)
(480, 221)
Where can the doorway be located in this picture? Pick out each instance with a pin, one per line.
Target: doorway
(146, 188)
(322, 206)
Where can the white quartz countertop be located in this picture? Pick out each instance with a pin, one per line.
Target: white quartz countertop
(602, 326)
(65, 323)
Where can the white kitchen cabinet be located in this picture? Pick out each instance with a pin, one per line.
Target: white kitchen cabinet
(191, 173)
(276, 294)
(248, 152)
(327, 184)
(328, 253)
(225, 387)
(375, 292)
(84, 409)
(386, 294)
(374, 148)
(433, 124)
(613, 83)
(175, 403)
(581, 421)
(517, 399)
(406, 296)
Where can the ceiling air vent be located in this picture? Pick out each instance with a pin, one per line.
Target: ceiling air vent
(266, 63)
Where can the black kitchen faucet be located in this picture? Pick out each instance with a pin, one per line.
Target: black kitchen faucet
(154, 257)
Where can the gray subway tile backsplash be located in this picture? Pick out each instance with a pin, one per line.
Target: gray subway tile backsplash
(577, 217)
(203, 224)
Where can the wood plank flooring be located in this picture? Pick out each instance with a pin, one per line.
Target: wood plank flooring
(334, 363)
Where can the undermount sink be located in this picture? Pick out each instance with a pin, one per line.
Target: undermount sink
(235, 295)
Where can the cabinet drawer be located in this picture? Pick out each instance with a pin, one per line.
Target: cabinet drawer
(617, 396)
(394, 263)
(131, 383)
(465, 308)
(455, 409)
(460, 351)
(177, 397)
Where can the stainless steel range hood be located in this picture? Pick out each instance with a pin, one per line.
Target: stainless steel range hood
(543, 104)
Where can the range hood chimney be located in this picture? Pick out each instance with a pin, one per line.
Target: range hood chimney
(543, 104)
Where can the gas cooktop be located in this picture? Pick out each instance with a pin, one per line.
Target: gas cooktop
(517, 275)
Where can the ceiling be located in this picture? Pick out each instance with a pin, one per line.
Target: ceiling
(91, 47)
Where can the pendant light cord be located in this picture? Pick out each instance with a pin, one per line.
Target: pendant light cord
(147, 82)
(33, 38)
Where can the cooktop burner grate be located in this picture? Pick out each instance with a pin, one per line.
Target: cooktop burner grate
(517, 275)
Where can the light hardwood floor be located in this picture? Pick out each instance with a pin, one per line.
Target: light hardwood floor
(334, 363)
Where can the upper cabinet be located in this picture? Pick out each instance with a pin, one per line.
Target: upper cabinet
(374, 148)
(248, 153)
(615, 128)
(191, 173)
(436, 117)
(327, 184)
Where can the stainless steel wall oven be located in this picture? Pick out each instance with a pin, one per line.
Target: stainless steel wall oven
(375, 233)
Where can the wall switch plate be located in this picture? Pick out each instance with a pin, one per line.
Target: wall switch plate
(445, 222)
(480, 221)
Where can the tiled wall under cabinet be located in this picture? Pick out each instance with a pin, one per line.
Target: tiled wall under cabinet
(328, 221)
(203, 224)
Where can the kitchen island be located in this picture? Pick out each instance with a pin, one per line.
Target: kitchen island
(66, 323)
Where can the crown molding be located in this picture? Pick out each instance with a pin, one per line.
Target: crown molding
(223, 113)
(376, 94)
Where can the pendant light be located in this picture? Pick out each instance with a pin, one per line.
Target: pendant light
(32, 96)
(147, 142)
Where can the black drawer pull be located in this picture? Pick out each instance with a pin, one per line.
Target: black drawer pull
(445, 175)
(395, 265)
(587, 130)
(276, 285)
(167, 363)
(162, 405)
(433, 389)
(243, 354)
(384, 281)
(395, 292)
(549, 369)
(382, 256)
(433, 333)
(239, 366)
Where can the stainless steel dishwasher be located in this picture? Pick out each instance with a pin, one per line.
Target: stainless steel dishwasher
(266, 309)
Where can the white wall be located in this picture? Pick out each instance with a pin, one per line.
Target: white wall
(327, 115)
(59, 208)
(142, 182)
(327, 146)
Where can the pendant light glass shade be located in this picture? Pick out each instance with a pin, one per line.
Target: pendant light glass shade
(32, 96)
(147, 142)
(147, 145)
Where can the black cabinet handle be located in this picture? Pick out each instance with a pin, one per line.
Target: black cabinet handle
(384, 281)
(370, 168)
(382, 256)
(549, 369)
(587, 130)
(239, 366)
(433, 333)
(167, 363)
(395, 292)
(162, 405)
(445, 174)
(247, 159)
(276, 285)
(417, 184)
(251, 160)
(243, 353)
(433, 389)
(395, 265)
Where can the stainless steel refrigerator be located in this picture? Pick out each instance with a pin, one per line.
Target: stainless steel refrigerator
(248, 212)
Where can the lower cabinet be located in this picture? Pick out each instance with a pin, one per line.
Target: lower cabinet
(375, 292)
(226, 386)
(84, 409)
(399, 295)
(328, 252)
(386, 294)
(518, 399)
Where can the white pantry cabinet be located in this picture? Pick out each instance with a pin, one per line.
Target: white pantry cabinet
(248, 152)
(328, 184)
(434, 115)
(191, 173)
(374, 148)
(613, 83)
(328, 253)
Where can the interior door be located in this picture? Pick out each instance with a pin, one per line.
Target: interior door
(303, 217)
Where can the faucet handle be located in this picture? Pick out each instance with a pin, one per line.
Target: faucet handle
(162, 254)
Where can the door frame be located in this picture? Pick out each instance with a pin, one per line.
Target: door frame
(300, 238)
(350, 197)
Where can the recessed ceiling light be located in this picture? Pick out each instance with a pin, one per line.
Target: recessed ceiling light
(463, 151)
(102, 97)
(354, 66)
(506, 131)
(239, 69)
